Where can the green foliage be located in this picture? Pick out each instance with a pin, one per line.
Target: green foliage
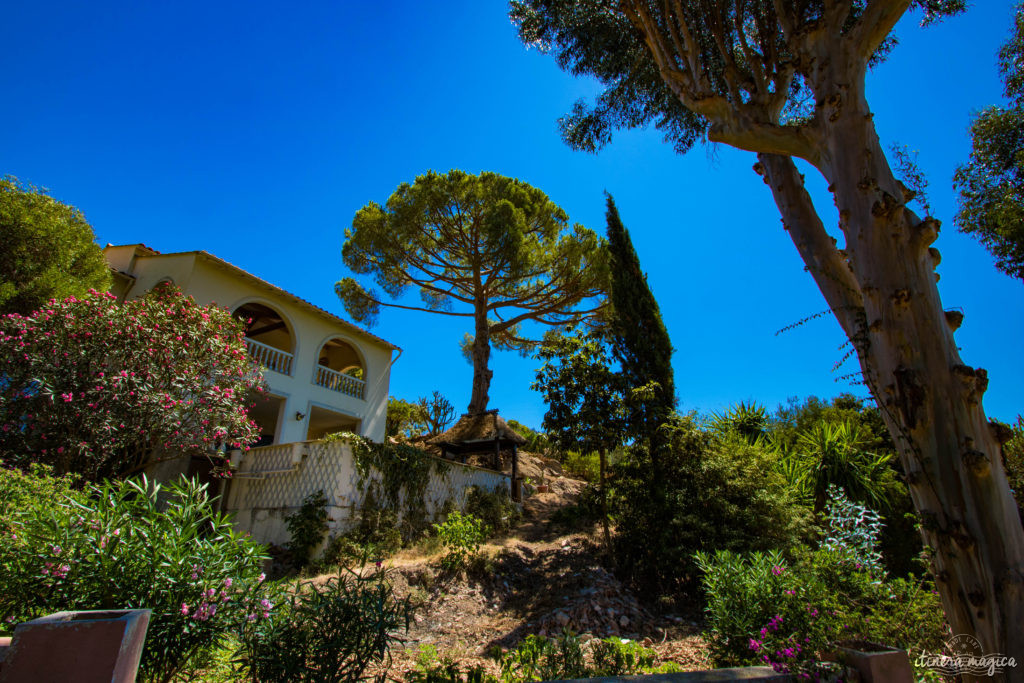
(20, 491)
(537, 658)
(307, 527)
(584, 394)
(619, 657)
(461, 536)
(396, 476)
(852, 529)
(829, 454)
(1013, 462)
(748, 421)
(436, 233)
(763, 610)
(495, 509)
(638, 337)
(404, 418)
(590, 38)
(93, 387)
(431, 668)
(131, 544)
(991, 184)
(436, 411)
(585, 466)
(49, 250)
(719, 494)
(327, 632)
(536, 442)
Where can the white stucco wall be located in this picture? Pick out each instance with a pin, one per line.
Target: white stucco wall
(210, 282)
(272, 481)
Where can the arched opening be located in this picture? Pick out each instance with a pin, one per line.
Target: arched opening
(267, 336)
(340, 368)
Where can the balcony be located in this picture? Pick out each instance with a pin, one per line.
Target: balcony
(340, 382)
(269, 357)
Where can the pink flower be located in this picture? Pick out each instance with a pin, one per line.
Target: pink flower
(184, 609)
(777, 570)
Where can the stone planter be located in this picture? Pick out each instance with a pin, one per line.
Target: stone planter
(875, 663)
(86, 647)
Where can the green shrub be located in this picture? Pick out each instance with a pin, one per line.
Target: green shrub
(762, 610)
(329, 632)
(432, 668)
(585, 466)
(36, 488)
(307, 528)
(495, 508)
(131, 544)
(619, 657)
(461, 535)
(544, 659)
(717, 493)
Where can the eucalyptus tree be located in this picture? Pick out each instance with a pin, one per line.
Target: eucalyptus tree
(486, 247)
(786, 80)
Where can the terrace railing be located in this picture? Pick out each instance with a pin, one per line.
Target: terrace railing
(340, 382)
(269, 357)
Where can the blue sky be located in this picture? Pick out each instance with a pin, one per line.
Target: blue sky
(256, 130)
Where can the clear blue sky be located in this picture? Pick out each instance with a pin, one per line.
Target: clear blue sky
(255, 130)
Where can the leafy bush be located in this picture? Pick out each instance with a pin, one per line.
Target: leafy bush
(307, 528)
(495, 508)
(94, 387)
(619, 657)
(132, 544)
(762, 610)
(537, 658)
(852, 529)
(328, 632)
(585, 466)
(35, 488)
(718, 493)
(461, 535)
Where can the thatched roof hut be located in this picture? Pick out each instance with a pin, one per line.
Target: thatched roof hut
(481, 433)
(477, 434)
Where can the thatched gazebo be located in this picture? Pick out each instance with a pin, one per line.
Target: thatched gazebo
(482, 433)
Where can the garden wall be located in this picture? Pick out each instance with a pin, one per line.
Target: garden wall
(271, 482)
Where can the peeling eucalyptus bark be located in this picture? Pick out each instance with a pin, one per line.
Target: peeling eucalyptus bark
(881, 285)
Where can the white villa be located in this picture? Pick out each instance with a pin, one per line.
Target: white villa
(324, 374)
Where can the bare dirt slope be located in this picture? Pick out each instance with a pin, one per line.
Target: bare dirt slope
(541, 579)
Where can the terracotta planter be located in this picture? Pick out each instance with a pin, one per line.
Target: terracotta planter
(542, 488)
(86, 647)
(875, 663)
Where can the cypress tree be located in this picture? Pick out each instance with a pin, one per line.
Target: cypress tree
(640, 340)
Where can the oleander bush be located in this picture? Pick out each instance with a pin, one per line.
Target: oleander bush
(133, 544)
(763, 609)
(334, 631)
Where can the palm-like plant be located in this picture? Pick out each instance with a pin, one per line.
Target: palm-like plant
(748, 420)
(830, 453)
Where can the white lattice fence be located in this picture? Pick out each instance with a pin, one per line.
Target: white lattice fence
(272, 481)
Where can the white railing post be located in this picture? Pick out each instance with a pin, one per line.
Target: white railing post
(269, 357)
(340, 382)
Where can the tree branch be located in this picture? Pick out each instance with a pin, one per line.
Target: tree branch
(875, 23)
(817, 248)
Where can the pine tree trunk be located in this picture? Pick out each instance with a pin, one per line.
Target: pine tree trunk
(481, 356)
(930, 399)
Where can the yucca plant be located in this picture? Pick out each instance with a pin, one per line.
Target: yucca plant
(836, 454)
